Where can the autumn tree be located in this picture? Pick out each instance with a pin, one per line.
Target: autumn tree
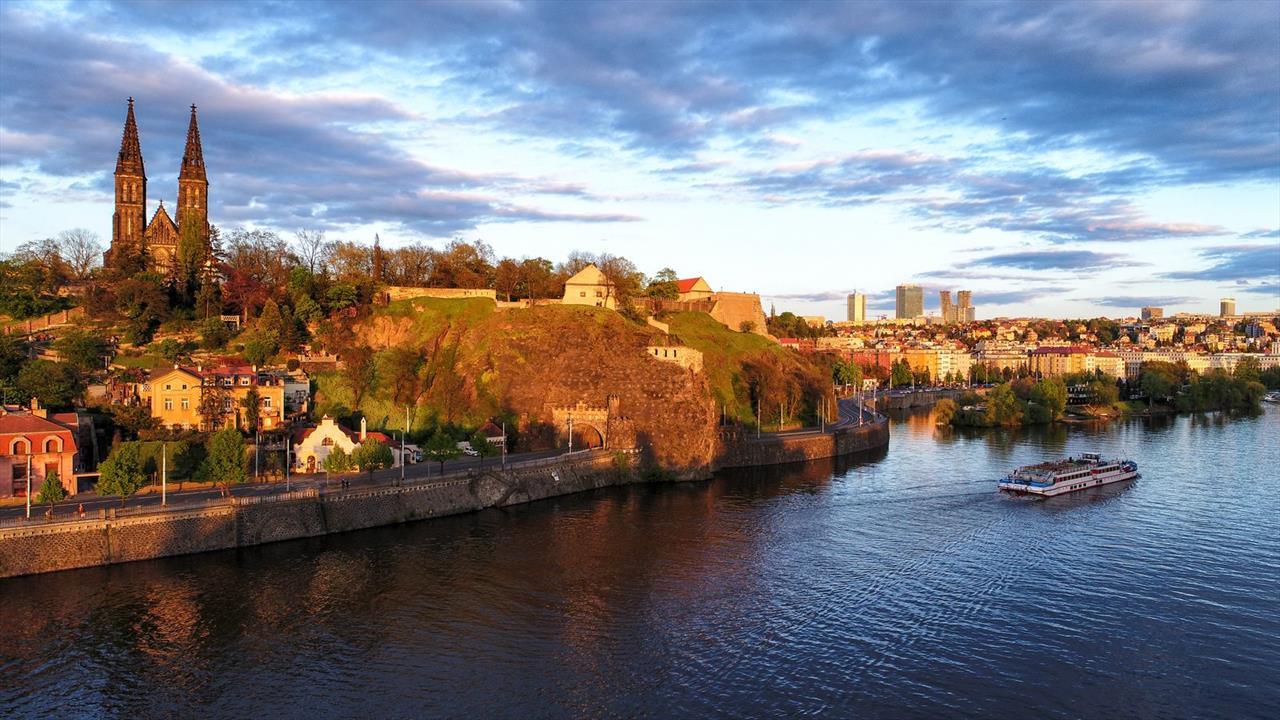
(123, 473)
(225, 460)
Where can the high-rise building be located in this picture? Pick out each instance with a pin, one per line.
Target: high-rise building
(910, 301)
(948, 310)
(964, 306)
(1151, 313)
(1227, 307)
(857, 307)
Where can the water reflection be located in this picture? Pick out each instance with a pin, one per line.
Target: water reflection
(875, 586)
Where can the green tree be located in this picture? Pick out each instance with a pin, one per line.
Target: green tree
(945, 411)
(1156, 384)
(132, 419)
(82, 350)
(1248, 369)
(52, 491)
(225, 460)
(337, 461)
(259, 347)
(13, 355)
(123, 473)
(372, 455)
(901, 373)
(1003, 406)
(1051, 394)
(848, 372)
(663, 285)
(213, 333)
(482, 446)
(252, 405)
(441, 448)
(53, 384)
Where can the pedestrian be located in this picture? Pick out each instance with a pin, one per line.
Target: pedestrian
(81, 510)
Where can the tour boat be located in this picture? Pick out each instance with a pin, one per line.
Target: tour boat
(1064, 476)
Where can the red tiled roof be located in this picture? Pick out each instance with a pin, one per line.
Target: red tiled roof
(1060, 350)
(686, 284)
(17, 423)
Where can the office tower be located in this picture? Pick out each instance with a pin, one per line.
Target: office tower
(857, 307)
(1227, 308)
(1151, 313)
(948, 311)
(910, 301)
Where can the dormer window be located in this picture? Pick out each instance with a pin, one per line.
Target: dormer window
(244, 380)
(327, 442)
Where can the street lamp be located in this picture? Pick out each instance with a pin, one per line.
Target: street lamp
(570, 442)
(164, 474)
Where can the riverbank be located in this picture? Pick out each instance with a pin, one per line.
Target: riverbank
(32, 548)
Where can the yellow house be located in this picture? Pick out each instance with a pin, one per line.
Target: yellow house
(590, 286)
(176, 395)
(691, 289)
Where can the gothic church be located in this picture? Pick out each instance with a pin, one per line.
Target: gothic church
(158, 239)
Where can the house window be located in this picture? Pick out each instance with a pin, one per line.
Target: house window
(19, 447)
(266, 402)
(52, 445)
(244, 380)
(582, 294)
(226, 405)
(186, 403)
(167, 386)
(599, 293)
(226, 381)
(327, 442)
(184, 386)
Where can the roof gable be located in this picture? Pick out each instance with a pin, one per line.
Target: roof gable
(589, 275)
(690, 284)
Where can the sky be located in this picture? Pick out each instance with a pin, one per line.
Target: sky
(1057, 159)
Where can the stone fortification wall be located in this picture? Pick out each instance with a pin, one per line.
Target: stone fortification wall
(746, 451)
(253, 521)
(733, 309)
(396, 292)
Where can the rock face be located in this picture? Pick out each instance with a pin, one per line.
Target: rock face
(542, 363)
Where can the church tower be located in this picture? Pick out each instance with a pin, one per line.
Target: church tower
(193, 187)
(130, 219)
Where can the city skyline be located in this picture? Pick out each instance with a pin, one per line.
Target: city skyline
(696, 137)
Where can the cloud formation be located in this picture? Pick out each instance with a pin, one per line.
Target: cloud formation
(1235, 262)
(1055, 260)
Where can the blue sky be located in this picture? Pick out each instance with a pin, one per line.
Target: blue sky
(1068, 159)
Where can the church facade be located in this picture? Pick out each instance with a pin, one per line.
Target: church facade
(158, 240)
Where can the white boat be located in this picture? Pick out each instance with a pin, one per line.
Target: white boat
(1272, 397)
(1064, 476)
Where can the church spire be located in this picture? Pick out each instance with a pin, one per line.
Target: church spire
(129, 161)
(192, 156)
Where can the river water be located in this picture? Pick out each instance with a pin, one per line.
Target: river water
(898, 585)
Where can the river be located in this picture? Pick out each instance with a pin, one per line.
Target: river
(899, 585)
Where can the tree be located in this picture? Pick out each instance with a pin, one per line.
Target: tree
(901, 373)
(1156, 384)
(358, 371)
(259, 347)
(123, 473)
(403, 371)
(52, 491)
(372, 455)
(225, 460)
(251, 403)
(945, 410)
(663, 285)
(82, 349)
(507, 278)
(441, 448)
(132, 419)
(1051, 394)
(80, 250)
(312, 249)
(1003, 406)
(213, 333)
(337, 461)
(482, 446)
(53, 384)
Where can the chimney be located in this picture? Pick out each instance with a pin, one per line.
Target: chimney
(37, 410)
(362, 429)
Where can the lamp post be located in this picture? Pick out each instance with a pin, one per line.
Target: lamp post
(404, 438)
(287, 442)
(504, 444)
(164, 474)
(28, 485)
(570, 440)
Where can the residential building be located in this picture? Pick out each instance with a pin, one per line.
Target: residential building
(910, 302)
(1152, 313)
(964, 306)
(35, 443)
(312, 445)
(814, 321)
(693, 289)
(176, 396)
(1227, 307)
(590, 286)
(857, 307)
(1055, 361)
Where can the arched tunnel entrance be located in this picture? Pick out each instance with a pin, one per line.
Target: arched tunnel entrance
(586, 436)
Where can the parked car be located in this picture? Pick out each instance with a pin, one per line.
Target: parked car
(465, 447)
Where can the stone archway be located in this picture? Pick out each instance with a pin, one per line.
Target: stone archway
(586, 436)
(590, 425)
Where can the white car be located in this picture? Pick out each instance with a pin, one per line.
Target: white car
(465, 447)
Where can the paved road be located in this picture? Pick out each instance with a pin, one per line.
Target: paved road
(194, 498)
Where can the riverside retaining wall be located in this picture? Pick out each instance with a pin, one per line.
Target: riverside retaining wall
(746, 451)
(256, 520)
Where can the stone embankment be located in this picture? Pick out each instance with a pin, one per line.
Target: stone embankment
(737, 450)
(919, 398)
(242, 522)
